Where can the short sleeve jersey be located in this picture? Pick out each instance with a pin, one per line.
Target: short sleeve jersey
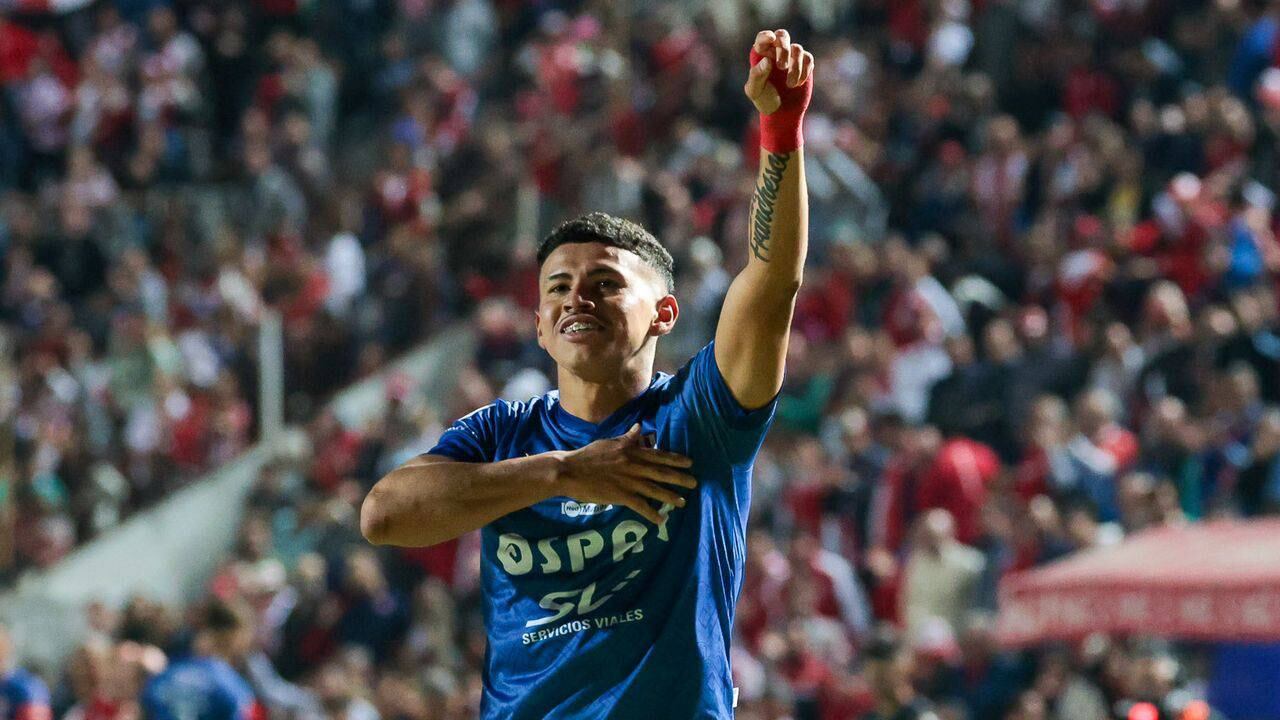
(198, 688)
(24, 696)
(592, 611)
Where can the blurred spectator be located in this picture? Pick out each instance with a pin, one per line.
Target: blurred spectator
(941, 576)
(376, 617)
(26, 696)
(206, 684)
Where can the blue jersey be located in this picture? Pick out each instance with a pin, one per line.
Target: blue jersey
(24, 696)
(198, 688)
(592, 611)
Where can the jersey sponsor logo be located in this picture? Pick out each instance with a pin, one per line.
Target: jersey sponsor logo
(577, 626)
(583, 600)
(519, 556)
(573, 508)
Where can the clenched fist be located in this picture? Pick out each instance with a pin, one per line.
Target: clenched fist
(780, 85)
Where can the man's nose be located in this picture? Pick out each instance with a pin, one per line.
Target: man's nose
(579, 297)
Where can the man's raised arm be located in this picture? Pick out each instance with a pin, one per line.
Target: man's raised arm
(751, 338)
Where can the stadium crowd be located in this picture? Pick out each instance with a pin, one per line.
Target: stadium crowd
(1041, 313)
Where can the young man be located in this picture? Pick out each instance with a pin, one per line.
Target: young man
(205, 685)
(613, 511)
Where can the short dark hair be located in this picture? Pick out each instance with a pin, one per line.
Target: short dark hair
(615, 232)
(221, 616)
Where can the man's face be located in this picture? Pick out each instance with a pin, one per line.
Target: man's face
(231, 644)
(599, 306)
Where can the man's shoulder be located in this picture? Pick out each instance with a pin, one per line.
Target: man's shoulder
(699, 362)
(504, 410)
(24, 685)
(204, 664)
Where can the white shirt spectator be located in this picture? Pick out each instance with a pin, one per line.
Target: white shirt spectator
(199, 358)
(44, 104)
(344, 264)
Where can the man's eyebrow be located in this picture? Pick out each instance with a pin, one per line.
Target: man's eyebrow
(602, 270)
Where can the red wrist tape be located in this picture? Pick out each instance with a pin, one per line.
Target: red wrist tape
(782, 130)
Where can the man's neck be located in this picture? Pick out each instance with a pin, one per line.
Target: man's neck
(593, 401)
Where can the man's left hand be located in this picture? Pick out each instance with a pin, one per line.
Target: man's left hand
(780, 74)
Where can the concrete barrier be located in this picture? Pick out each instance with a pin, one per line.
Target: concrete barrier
(168, 553)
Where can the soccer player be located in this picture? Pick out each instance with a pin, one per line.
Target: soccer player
(205, 686)
(23, 696)
(613, 511)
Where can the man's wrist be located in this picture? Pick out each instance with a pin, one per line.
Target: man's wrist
(780, 135)
(550, 472)
(782, 130)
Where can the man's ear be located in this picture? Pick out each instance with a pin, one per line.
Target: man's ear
(537, 328)
(668, 311)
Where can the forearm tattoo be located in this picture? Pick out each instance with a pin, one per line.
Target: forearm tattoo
(763, 201)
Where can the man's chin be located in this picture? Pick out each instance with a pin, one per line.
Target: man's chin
(594, 364)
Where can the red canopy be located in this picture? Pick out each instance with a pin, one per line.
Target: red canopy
(1215, 581)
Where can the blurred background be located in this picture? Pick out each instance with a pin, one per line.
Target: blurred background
(256, 253)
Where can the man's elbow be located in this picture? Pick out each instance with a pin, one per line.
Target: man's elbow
(777, 303)
(781, 288)
(789, 289)
(374, 519)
